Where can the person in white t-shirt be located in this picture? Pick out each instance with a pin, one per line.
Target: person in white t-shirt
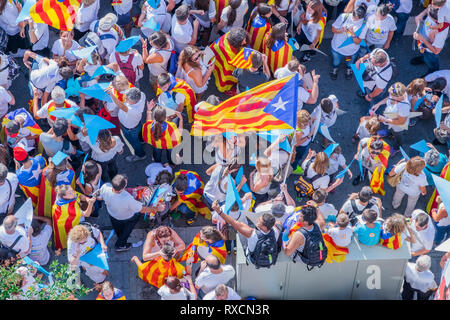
(309, 28)
(419, 279)
(158, 14)
(57, 102)
(222, 292)
(413, 183)
(8, 187)
(342, 233)
(371, 6)
(108, 31)
(87, 13)
(183, 31)
(327, 210)
(358, 202)
(130, 63)
(211, 274)
(430, 41)
(316, 167)
(440, 74)
(402, 14)
(64, 45)
(423, 227)
(232, 16)
(42, 232)
(442, 219)
(17, 40)
(346, 26)
(6, 99)
(173, 289)
(381, 27)
(123, 11)
(396, 114)
(11, 233)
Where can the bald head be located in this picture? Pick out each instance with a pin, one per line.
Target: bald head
(213, 262)
(10, 223)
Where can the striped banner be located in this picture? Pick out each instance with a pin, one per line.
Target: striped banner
(156, 271)
(55, 13)
(66, 214)
(243, 60)
(118, 295)
(223, 70)
(190, 100)
(377, 181)
(170, 135)
(52, 107)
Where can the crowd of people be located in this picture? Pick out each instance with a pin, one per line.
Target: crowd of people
(88, 105)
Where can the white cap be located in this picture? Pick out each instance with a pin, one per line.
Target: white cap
(106, 23)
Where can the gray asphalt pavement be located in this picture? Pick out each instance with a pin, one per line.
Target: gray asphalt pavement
(124, 275)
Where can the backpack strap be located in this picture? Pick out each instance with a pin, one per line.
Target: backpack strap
(15, 242)
(10, 194)
(385, 68)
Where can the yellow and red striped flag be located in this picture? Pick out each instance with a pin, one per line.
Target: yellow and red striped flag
(66, 214)
(217, 249)
(257, 29)
(377, 181)
(192, 196)
(157, 270)
(243, 60)
(223, 70)
(390, 241)
(271, 105)
(335, 252)
(170, 135)
(432, 204)
(55, 13)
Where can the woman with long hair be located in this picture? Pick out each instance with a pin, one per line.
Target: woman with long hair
(277, 48)
(260, 179)
(381, 27)
(17, 38)
(157, 238)
(232, 16)
(163, 135)
(192, 70)
(90, 181)
(64, 46)
(259, 25)
(284, 10)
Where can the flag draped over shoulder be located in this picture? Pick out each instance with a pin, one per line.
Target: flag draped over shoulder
(217, 249)
(223, 70)
(55, 13)
(377, 181)
(118, 295)
(157, 270)
(257, 29)
(335, 252)
(29, 122)
(445, 174)
(170, 135)
(66, 214)
(30, 180)
(192, 196)
(269, 106)
(390, 241)
(243, 60)
(183, 88)
(295, 227)
(278, 55)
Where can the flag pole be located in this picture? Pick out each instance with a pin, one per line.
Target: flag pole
(290, 156)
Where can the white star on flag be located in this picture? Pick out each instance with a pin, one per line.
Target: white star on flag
(37, 172)
(192, 183)
(280, 105)
(64, 177)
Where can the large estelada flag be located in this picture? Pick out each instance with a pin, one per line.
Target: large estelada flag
(217, 249)
(269, 106)
(55, 13)
(157, 270)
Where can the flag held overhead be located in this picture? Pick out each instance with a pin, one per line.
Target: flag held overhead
(232, 195)
(94, 124)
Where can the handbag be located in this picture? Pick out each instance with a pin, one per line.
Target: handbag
(395, 179)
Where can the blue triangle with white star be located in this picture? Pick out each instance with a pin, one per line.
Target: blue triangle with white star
(284, 105)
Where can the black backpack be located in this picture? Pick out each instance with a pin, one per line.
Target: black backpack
(6, 252)
(314, 251)
(353, 215)
(266, 250)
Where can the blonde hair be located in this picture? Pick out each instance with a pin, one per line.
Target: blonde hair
(398, 89)
(395, 224)
(120, 83)
(321, 163)
(78, 233)
(62, 189)
(263, 163)
(415, 165)
(372, 125)
(303, 117)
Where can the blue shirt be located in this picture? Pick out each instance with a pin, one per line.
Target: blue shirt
(368, 236)
(437, 169)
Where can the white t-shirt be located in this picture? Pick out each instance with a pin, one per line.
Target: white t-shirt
(5, 99)
(289, 210)
(86, 15)
(232, 295)
(5, 194)
(410, 183)
(208, 281)
(133, 116)
(378, 30)
(152, 171)
(347, 21)
(286, 5)
(342, 237)
(236, 215)
(305, 132)
(336, 163)
(8, 239)
(159, 14)
(108, 43)
(424, 238)
(240, 13)
(46, 76)
(8, 19)
(402, 109)
(347, 207)
(39, 246)
(124, 7)
(371, 6)
(254, 239)
(168, 101)
(327, 209)
(380, 76)
(213, 189)
(156, 69)
(439, 38)
(100, 156)
(311, 30)
(405, 6)
(321, 182)
(165, 294)
(204, 19)
(303, 96)
(283, 72)
(422, 281)
(43, 112)
(444, 13)
(59, 50)
(120, 206)
(440, 73)
(42, 35)
(181, 33)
